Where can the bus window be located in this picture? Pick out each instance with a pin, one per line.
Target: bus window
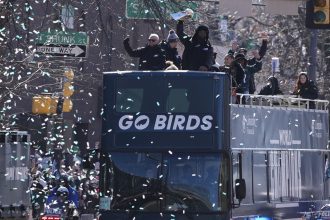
(246, 171)
(196, 182)
(178, 101)
(259, 176)
(275, 189)
(171, 94)
(311, 175)
(135, 179)
(129, 100)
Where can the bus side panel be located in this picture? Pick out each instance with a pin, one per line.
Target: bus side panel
(281, 184)
(223, 87)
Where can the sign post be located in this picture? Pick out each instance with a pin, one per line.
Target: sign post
(62, 44)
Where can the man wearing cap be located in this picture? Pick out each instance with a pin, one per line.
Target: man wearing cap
(252, 61)
(244, 71)
(170, 48)
(152, 56)
(198, 52)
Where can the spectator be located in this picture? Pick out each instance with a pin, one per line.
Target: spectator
(38, 197)
(216, 66)
(228, 61)
(272, 87)
(88, 198)
(170, 48)
(152, 56)
(198, 52)
(72, 193)
(306, 89)
(244, 72)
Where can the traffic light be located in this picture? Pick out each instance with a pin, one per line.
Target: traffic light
(68, 88)
(318, 14)
(44, 105)
(50, 105)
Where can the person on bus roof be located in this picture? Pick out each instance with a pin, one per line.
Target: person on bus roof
(272, 87)
(251, 61)
(170, 48)
(306, 89)
(198, 52)
(152, 56)
(244, 72)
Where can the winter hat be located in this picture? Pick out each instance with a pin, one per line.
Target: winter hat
(240, 56)
(242, 50)
(172, 36)
(154, 36)
(201, 27)
(230, 55)
(303, 73)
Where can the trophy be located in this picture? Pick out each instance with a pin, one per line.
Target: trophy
(182, 15)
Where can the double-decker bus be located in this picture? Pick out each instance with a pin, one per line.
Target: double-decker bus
(173, 147)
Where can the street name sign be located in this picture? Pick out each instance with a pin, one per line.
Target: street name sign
(62, 44)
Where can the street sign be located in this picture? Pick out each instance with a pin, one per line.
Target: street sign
(62, 50)
(63, 38)
(136, 9)
(63, 44)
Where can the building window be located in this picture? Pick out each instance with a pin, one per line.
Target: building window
(67, 16)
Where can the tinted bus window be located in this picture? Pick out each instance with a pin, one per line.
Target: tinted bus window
(158, 182)
(171, 94)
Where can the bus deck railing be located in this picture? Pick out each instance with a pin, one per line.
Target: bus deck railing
(280, 101)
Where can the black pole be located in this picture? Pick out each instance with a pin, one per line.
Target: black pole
(240, 172)
(313, 55)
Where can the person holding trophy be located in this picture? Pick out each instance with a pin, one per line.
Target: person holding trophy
(198, 52)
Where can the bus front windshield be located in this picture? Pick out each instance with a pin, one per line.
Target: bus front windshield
(180, 182)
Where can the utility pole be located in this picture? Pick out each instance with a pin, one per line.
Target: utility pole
(313, 55)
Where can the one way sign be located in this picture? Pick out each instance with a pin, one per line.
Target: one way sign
(62, 44)
(78, 51)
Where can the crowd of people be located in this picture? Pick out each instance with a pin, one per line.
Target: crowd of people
(57, 184)
(199, 55)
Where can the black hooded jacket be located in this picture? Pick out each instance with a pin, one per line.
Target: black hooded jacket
(171, 54)
(151, 58)
(272, 88)
(196, 53)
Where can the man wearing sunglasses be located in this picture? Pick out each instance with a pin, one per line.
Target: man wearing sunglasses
(152, 56)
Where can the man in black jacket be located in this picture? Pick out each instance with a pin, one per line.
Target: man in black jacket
(198, 52)
(252, 61)
(152, 56)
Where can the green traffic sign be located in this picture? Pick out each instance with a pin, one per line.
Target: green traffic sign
(136, 9)
(62, 38)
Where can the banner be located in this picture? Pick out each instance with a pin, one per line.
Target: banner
(268, 127)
